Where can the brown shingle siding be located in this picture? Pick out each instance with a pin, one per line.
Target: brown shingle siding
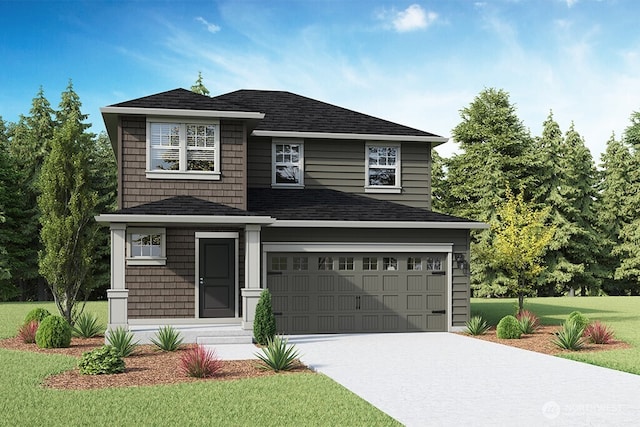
(137, 189)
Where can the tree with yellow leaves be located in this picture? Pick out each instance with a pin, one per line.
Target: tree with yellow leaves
(521, 238)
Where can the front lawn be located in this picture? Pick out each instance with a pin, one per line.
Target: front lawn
(621, 313)
(287, 399)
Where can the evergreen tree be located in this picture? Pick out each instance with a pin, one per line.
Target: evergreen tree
(614, 194)
(199, 86)
(67, 205)
(628, 249)
(29, 143)
(438, 184)
(7, 289)
(497, 153)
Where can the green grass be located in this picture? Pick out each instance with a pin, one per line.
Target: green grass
(286, 399)
(621, 313)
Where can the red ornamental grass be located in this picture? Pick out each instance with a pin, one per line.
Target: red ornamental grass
(598, 333)
(27, 332)
(199, 362)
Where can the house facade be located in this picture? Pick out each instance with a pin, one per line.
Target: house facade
(330, 209)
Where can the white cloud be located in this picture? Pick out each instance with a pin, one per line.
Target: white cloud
(212, 28)
(570, 3)
(412, 18)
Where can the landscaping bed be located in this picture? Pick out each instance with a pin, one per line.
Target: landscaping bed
(541, 342)
(146, 366)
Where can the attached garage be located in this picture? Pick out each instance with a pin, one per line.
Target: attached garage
(360, 289)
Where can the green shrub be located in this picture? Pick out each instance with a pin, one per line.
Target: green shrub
(167, 339)
(508, 328)
(529, 322)
(278, 355)
(476, 326)
(54, 332)
(200, 362)
(102, 360)
(38, 314)
(87, 326)
(122, 340)
(580, 319)
(570, 336)
(264, 324)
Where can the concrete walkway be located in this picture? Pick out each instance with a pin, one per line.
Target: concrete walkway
(442, 379)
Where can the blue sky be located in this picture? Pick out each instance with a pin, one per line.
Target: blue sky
(413, 62)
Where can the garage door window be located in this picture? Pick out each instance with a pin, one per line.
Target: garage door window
(434, 264)
(345, 263)
(414, 264)
(369, 264)
(279, 263)
(390, 264)
(300, 263)
(325, 263)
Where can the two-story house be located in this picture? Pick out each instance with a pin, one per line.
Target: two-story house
(221, 197)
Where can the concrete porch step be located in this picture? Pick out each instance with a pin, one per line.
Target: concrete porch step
(210, 334)
(228, 339)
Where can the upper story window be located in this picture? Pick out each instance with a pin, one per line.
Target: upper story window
(382, 168)
(146, 246)
(183, 150)
(288, 163)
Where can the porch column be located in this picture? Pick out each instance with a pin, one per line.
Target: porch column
(118, 295)
(252, 290)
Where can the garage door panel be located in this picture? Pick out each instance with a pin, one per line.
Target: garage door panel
(344, 296)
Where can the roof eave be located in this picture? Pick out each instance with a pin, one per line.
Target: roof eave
(184, 219)
(434, 140)
(380, 224)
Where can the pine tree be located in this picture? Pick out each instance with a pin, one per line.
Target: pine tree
(497, 152)
(7, 289)
(67, 204)
(199, 86)
(438, 184)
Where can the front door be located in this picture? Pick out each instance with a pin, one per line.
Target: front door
(217, 277)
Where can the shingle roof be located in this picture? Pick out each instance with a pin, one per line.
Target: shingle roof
(184, 205)
(284, 112)
(331, 205)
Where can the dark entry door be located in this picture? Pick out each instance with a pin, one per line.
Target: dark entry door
(217, 277)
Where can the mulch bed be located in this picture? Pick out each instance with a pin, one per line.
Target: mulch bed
(146, 366)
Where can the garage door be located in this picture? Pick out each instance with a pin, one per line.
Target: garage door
(345, 292)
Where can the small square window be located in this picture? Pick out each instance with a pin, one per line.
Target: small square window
(414, 263)
(369, 264)
(279, 263)
(300, 263)
(146, 246)
(325, 263)
(345, 263)
(389, 264)
(434, 264)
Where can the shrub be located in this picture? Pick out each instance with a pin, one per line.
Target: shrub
(27, 332)
(264, 324)
(580, 319)
(598, 333)
(54, 332)
(199, 362)
(87, 326)
(476, 326)
(570, 336)
(167, 338)
(508, 328)
(38, 314)
(122, 340)
(278, 355)
(102, 360)
(528, 322)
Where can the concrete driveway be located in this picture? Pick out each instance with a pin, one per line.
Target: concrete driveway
(442, 379)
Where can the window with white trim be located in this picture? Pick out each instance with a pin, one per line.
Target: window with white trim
(288, 163)
(146, 246)
(382, 168)
(183, 150)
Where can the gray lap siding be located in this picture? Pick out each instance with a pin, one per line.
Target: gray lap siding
(137, 189)
(169, 291)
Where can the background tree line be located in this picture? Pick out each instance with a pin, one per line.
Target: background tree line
(54, 176)
(595, 212)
